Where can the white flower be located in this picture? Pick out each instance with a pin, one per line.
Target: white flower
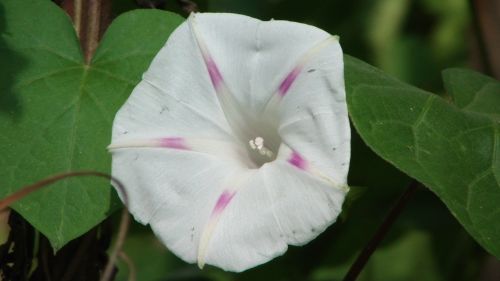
(236, 143)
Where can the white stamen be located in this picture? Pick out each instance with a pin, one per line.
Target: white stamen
(258, 144)
(252, 144)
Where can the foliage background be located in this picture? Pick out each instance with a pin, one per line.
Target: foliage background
(412, 40)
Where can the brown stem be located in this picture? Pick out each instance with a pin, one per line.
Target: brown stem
(188, 6)
(130, 264)
(125, 219)
(382, 231)
(122, 234)
(483, 50)
(21, 193)
(90, 18)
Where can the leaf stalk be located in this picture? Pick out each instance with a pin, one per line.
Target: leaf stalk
(381, 232)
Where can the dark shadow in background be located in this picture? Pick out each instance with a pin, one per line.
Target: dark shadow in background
(11, 64)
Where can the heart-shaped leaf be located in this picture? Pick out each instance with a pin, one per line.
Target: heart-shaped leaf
(455, 152)
(56, 111)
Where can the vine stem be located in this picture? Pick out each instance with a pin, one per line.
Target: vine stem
(188, 6)
(90, 18)
(481, 42)
(132, 272)
(381, 232)
(125, 217)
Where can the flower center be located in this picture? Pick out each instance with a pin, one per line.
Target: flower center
(259, 153)
(263, 140)
(258, 145)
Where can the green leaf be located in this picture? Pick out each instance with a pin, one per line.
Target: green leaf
(57, 112)
(454, 152)
(473, 91)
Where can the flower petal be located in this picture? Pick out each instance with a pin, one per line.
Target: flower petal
(313, 118)
(256, 57)
(152, 178)
(192, 205)
(223, 150)
(236, 116)
(277, 206)
(175, 97)
(200, 198)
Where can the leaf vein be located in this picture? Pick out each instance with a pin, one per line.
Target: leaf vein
(119, 59)
(46, 75)
(113, 76)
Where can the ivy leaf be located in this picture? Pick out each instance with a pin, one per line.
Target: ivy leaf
(455, 152)
(56, 111)
(473, 91)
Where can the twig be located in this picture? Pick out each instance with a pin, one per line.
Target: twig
(383, 229)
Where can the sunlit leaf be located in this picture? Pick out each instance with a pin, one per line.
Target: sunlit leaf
(56, 111)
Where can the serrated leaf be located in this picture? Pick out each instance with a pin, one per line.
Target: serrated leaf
(473, 91)
(56, 111)
(454, 152)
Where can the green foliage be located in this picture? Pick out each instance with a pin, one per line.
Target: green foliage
(473, 91)
(56, 115)
(454, 152)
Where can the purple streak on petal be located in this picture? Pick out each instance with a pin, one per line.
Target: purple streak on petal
(174, 142)
(222, 202)
(287, 83)
(297, 160)
(214, 72)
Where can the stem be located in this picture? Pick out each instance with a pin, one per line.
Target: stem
(122, 234)
(21, 193)
(90, 18)
(483, 50)
(131, 267)
(93, 28)
(188, 6)
(382, 231)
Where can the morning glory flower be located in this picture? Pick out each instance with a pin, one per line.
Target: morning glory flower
(236, 143)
